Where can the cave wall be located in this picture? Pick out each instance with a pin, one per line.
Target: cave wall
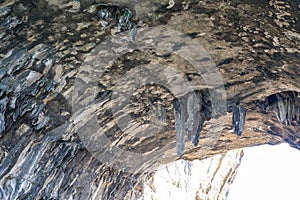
(63, 67)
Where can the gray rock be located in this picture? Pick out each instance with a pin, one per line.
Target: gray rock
(238, 119)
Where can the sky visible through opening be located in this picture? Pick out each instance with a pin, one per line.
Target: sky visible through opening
(268, 173)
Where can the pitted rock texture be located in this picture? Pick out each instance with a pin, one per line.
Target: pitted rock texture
(45, 47)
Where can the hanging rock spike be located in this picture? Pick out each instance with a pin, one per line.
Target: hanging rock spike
(238, 119)
(179, 126)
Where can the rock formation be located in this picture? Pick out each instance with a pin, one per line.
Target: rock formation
(205, 179)
(94, 96)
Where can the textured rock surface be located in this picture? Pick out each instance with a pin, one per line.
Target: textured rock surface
(205, 179)
(56, 96)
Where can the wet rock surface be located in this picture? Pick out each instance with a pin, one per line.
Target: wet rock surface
(51, 93)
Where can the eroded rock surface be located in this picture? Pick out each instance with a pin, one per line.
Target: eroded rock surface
(59, 133)
(205, 179)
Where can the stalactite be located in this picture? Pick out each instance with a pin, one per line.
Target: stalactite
(199, 124)
(238, 119)
(193, 108)
(195, 116)
(179, 126)
(282, 110)
(285, 105)
(190, 112)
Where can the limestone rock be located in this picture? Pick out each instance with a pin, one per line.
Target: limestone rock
(86, 106)
(205, 179)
